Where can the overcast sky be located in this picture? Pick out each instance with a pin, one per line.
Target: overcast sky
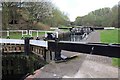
(76, 8)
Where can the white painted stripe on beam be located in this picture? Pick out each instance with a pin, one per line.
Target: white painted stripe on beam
(39, 43)
(12, 41)
(32, 42)
(109, 27)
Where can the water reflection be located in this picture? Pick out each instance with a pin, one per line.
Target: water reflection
(72, 38)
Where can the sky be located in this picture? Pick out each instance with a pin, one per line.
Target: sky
(76, 8)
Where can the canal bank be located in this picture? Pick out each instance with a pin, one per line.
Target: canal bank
(83, 66)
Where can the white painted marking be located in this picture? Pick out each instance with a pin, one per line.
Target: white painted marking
(54, 75)
(90, 75)
(37, 33)
(67, 77)
(63, 56)
(109, 28)
(45, 34)
(56, 34)
(39, 43)
(53, 28)
(18, 41)
(12, 41)
(8, 33)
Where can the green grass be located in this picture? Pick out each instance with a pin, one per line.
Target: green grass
(111, 36)
(16, 35)
(116, 62)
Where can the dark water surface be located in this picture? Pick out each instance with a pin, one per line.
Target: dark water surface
(72, 38)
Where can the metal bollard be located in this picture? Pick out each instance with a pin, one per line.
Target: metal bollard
(37, 38)
(57, 51)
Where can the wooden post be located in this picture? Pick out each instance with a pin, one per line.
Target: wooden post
(27, 46)
(44, 54)
(50, 55)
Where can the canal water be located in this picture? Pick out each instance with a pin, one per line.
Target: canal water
(73, 38)
(66, 37)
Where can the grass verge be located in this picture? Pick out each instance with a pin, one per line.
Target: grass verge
(17, 35)
(111, 36)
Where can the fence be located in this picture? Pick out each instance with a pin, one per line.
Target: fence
(23, 33)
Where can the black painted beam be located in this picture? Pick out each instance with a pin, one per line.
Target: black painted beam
(87, 48)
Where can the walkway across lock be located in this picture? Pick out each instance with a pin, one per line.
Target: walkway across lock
(109, 50)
